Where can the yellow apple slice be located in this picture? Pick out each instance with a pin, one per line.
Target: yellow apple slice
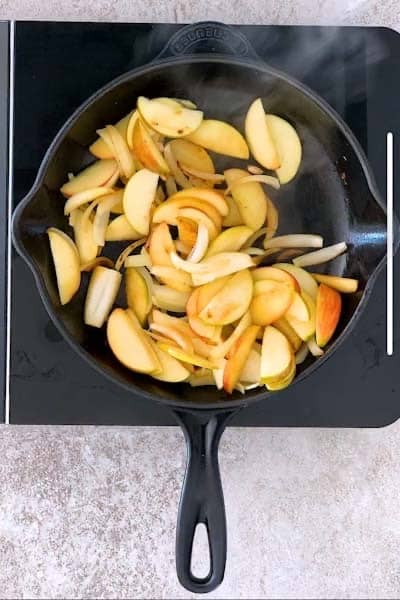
(237, 358)
(233, 218)
(304, 329)
(230, 240)
(120, 230)
(213, 197)
(190, 155)
(198, 216)
(220, 137)
(288, 147)
(160, 245)
(231, 302)
(174, 278)
(83, 234)
(139, 196)
(130, 128)
(122, 152)
(100, 149)
(276, 355)
(185, 357)
(66, 263)
(259, 137)
(102, 291)
(130, 344)
(252, 367)
(169, 299)
(168, 211)
(250, 199)
(329, 308)
(304, 279)
(345, 285)
(187, 231)
(146, 150)
(179, 324)
(96, 175)
(276, 275)
(171, 369)
(284, 327)
(169, 119)
(205, 293)
(270, 302)
(298, 308)
(283, 382)
(137, 294)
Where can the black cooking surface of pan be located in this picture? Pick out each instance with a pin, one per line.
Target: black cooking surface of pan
(334, 194)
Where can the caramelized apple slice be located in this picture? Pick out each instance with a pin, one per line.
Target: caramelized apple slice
(120, 230)
(231, 302)
(270, 302)
(100, 149)
(250, 199)
(275, 274)
(169, 119)
(190, 155)
(137, 294)
(66, 263)
(171, 370)
(329, 308)
(220, 137)
(160, 245)
(146, 150)
(238, 356)
(345, 285)
(230, 240)
(96, 175)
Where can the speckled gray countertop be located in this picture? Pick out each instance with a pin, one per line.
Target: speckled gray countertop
(90, 512)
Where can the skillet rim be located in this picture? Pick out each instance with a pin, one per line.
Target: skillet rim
(239, 401)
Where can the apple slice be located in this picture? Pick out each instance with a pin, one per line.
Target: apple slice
(129, 131)
(139, 196)
(249, 197)
(137, 294)
(209, 332)
(160, 245)
(298, 308)
(214, 197)
(205, 293)
(174, 278)
(190, 155)
(231, 302)
(345, 285)
(169, 299)
(171, 369)
(230, 240)
(252, 368)
(171, 120)
(187, 231)
(259, 137)
(238, 357)
(275, 274)
(303, 278)
(223, 348)
(94, 176)
(66, 263)
(120, 230)
(168, 211)
(83, 234)
(284, 327)
(100, 149)
(146, 151)
(102, 291)
(304, 329)
(233, 218)
(270, 302)
(130, 344)
(329, 308)
(198, 216)
(220, 137)
(282, 383)
(288, 147)
(276, 356)
(185, 357)
(122, 152)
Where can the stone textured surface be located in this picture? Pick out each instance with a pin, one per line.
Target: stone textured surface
(90, 512)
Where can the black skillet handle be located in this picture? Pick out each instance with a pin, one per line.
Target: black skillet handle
(202, 499)
(208, 37)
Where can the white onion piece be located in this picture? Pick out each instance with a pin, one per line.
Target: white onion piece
(257, 234)
(219, 375)
(127, 251)
(201, 380)
(223, 267)
(320, 256)
(174, 168)
(77, 200)
(244, 387)
(201, 245)
(254, 170)
(170, 186)
(102, 291)
(314, 348)
(297, 240)
(301, 354)
(253, 251)
(168, 299)
(73, 217)
(102, 218)
(136, 260)
(267, 179)
(216, 177)
(96, 262)
(222, 349)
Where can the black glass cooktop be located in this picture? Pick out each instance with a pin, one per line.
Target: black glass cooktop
(57, 66)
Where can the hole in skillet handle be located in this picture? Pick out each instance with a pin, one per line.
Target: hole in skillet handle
(202, 499)
(208, 37)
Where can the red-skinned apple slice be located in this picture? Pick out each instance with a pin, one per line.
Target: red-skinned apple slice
(345, 285)
(329, 308)
(238, 358)
(146, 151)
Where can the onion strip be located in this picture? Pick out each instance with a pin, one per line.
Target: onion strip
(215, 177)
(127, 251)
(173, 166)
(296, 240)
(320, 256)
(314, 348)
(301, 354)
(201, 245)
(267, 179)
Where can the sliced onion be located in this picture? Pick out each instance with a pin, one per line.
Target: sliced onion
(222, 266)
(173, 334)
(314, 348)
(168, 299)
(173, 166)
(136, 260)
(244, 387)
(301, 354)
(320, 256)
(288, 254)
(144, 252)
(219, 374)
(102, 218)
(254, 170)
(297, 240)
(102, 292)
(272, 219)
(77, 200)
(160, 195)
(257, 234)
(170, 186)
(103, 261)
(70, 176)
(73, 215)
(253, 251)
(121, 151)
(222, 349)
(271, 251)
(127, 251)
(201, 245)
(215, 177)
(267, 179)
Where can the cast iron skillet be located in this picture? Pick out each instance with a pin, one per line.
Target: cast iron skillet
(334, 194)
